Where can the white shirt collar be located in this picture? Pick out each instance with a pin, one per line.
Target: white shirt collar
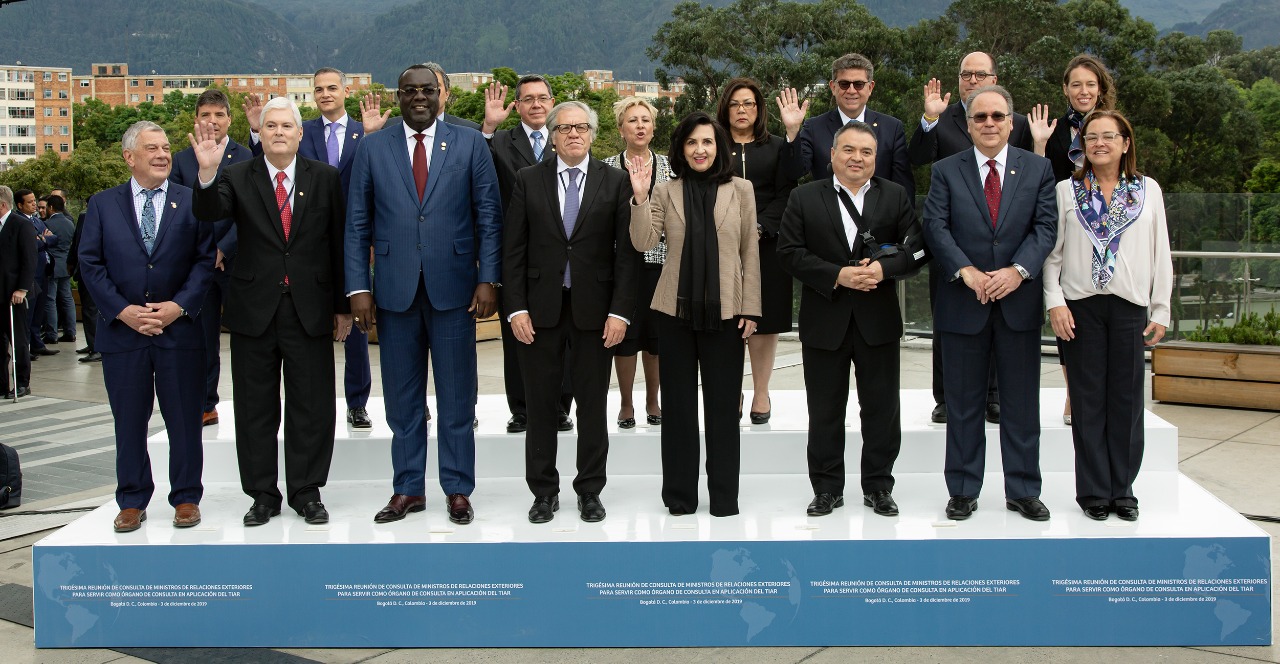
(1001, 159)
(287, 170)
(341, 122)
(138, 188)
(430, 132)
(562, 167)
(530, 131)
(862, 191)
(844, 119)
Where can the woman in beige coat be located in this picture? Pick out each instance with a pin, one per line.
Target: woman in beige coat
(707, 303)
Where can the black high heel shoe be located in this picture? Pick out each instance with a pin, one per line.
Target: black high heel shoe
(762, 418)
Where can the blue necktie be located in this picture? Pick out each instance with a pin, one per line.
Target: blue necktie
(331, 145)
(537, 145)
(149, 220)
(571, 205)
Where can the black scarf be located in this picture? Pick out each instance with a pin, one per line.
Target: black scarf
(698, 294)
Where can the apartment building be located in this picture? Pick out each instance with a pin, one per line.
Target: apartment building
(35, 112)
(113, 84)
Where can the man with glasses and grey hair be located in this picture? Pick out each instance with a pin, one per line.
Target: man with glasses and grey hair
(852, 83)
(570, 281)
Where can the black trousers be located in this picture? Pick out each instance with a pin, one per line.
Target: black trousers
(1105, 361)
(309, 411)
(89, 313)
(939, 386)
(718, 357)
(542, 365)
(826, 377)
(17, 316)
(211, 327)
(512, 377)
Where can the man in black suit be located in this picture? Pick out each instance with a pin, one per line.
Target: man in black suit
(851, 84)
(846, 239)
(60, 309)
(990, 220)
(25, 207)
(454, 120)
(570, 280)
(88, 308)
(513, 149)
(287, 299)
(17, 272)
(944, 131)
(213, 109)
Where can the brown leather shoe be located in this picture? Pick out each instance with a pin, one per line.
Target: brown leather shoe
(459, 508)
(209, 418)
(399, 506)
(129, 520)
(186, 515)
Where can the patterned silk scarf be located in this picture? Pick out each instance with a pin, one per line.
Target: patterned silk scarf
(1104, 225)
(1076, 152)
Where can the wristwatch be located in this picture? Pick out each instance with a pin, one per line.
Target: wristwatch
(1022, 271)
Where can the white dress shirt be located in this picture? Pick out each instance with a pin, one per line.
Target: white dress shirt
(563, 178)
(859, 197)
(341, 126)
(1002, 160)
(546, 137)
(844, 119)
(288, 178)
(411, 143)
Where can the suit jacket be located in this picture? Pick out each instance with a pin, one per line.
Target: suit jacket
(119, 272)
(187, 173)
(63, 227)
(17, 255)
(43, 243)
(311, 258)
(452, 237)
(736, 239)
(957, 227)
(459, 122)
(313, 146)
(891, 147)
(1058, 149)
(512, 151)
(951, 135)
(535, 249)
(813, 247)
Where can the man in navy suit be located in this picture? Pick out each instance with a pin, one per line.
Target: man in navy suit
(990, 221)
(214, 110)
(851, 85)
(148, 262)
(25, 202)
(424, 194)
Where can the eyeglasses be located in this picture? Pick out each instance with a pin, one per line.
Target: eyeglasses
(857, 85)
(981, 118)
(565, 129)
(542, 99)
(735, 105)
(410, 91)
(978, 76)
(1105, 137)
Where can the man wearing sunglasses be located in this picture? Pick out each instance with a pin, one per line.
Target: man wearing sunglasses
(851, 85)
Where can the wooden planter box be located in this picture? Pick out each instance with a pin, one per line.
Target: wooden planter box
(1214, 374)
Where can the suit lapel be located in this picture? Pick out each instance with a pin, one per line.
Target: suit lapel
(726, 197)
(400, 157)
(956, 113)
(302, 179)
(172, 198)
(551, 185)
(869, 203)
(355, 132)
(313, 133)
(261, 178)
(969, 173)
(1012, 178)
(595, 173)
(126, 212)
(439, 157)
(520, 141)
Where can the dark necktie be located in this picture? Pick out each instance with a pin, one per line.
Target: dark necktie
(420, 166)
(537, 146)
(992, 190)
(149, 219)
(571, 205)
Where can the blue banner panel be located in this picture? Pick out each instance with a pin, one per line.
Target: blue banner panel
(1150, 591)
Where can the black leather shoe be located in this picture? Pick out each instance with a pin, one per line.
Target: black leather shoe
(960, 508)
(66, 338)
(1029, 507)
(459, 507)
(565, 423)
(260, 514)
(358, 418)
(654, 420)
(1097, 512)
(823, 503)
(762, 418)
(49, 339)
(399, 506)
(93, 356)
(939, 415)
(1125, 513)
(518, 423)
(44, 351)
(881, 502)
(314, 512)
(628, 423)
(544, 509)
(590, 508)
(993, 413)
(22, 392)
(84, 351)
(475, 423)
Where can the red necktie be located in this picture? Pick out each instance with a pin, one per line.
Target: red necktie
(992, 190)
(286, 213)
(420, 166)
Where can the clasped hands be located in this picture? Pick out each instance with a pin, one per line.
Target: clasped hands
(991, 286)
(864, 276)
(150, 318)
(614, 329)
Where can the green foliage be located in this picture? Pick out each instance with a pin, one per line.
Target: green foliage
(1249, 329)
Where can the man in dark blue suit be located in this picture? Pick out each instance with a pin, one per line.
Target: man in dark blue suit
(213, 109)
(851, 85)
(17, 272)
(990, 221)
(148, 262)
(25, 206)
(424, 194)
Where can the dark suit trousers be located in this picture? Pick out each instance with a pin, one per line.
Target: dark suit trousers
(308, 408)
(59, 308)
(718, 355)
(36, 310)
(939, 391)
(1107, 376)
(89, 314)
(357, 378)
(21, 348)
(826, 375)
(511, 376)
(968, 361)
(211, 326)
(404, 339)
(132, 379)
(542, 364)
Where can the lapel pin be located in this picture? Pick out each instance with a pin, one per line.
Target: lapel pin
(301, 194)
(875, 124)
(1013, 172)
(173, 205)
(355, 136)
(228, 156)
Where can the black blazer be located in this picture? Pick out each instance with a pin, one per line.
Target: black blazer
(813, 248)
(187, 173)
(1058, 148)
(512, 151)
(312, 258)
(891, 147)
(535, 249)
(17, 255)
(951, 135)
(772, 168)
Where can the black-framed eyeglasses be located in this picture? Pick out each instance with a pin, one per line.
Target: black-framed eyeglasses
(529, 99)
(981, 118)
(566, 129)
(978, 76)
(857, 85)
(748, 105)
(410, 91)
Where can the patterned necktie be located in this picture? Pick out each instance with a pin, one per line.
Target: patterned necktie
(571, 205)
(420, 166)
(992, 190)
(282, 202)
(149, 220)
(331, 145)
(537, 145)
(1076, 150)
